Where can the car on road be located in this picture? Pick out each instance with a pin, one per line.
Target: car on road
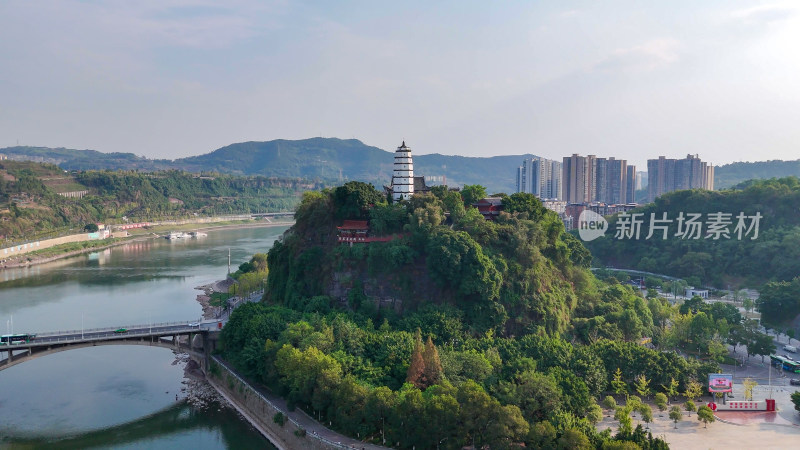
(121, 330)
(794, 382)
(194, 324)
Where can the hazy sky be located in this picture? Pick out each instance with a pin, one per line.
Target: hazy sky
(172, 78)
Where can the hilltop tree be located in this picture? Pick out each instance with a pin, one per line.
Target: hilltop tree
(647, 413)
(693, 390)
(796, 400)
(416, 370)
(689, 406)
(761, 345)
(671, 390)
(352, 200)
(471, 193)
(432, 372)
(526, 203)
(619, 386)
(675, 414)
(643, 386)
(594, 414)
(622, 415)
(705, 415)
(749, 384)
(425, 369)
(661, 401)
(748, 305)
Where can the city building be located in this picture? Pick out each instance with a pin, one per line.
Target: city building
(572, 211)
(641, 179)
(667, 175)
(691, 292)
(589, 179)
(630, 185)
(540, 177)
(556, 206)
(578, 177)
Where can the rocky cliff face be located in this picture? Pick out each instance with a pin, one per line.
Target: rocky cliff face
(394, 291)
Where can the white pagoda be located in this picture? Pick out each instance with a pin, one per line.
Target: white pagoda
(403, 175)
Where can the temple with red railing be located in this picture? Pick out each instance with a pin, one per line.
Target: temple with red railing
(357, 231)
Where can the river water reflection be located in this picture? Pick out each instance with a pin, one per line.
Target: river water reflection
(117, 396)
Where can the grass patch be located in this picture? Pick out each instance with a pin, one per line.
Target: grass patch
(219, 298)
(71, 247)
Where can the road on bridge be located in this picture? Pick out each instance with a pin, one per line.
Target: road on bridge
(140, 330)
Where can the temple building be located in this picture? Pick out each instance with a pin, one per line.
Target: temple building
(404, 183)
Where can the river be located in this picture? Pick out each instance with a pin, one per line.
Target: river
(118, 396)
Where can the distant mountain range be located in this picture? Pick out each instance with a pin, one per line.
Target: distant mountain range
(345, 159)
(732, 174)
(320, 158)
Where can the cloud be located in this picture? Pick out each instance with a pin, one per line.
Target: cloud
(652, 55)
(764, 14)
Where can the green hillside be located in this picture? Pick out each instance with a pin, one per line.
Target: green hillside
(462, 331)
(735, 173)
(773, 255)
(30, 207)
(71, 159)
(315, 158)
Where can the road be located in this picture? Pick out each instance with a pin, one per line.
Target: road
(140, 330)
(753, 367)
(105, 334)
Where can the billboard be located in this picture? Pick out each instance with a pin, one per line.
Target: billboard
(720, 382)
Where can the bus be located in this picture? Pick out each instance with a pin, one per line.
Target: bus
(12, 339)
(787, 364)
(791, 366)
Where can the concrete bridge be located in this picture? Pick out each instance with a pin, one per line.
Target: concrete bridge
(197, 339)
(271, 215)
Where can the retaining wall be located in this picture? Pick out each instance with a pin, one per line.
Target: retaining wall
(260, 410)
(21, 249)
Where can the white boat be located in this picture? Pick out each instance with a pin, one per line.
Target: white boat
(176, 235)
(197, 234)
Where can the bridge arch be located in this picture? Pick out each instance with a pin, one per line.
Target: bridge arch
(34, 351)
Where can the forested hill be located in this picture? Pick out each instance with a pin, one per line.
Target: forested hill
(773, 255)
(317, 158)
(31, 205)
(735, 173)
(450, 330)
(71, 159)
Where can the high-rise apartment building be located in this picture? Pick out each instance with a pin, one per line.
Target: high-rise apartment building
(631, 185)
(540, 177)
(578, 177)
(592, 179)
(666, 175)
(611, 181)
(641, 179)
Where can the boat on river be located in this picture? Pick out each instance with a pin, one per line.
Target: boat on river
(174, 235)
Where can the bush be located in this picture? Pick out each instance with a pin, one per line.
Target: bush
(609, 403)
(300, 432)
(279, 418)
(661, 401)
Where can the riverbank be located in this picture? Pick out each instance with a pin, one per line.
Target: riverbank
(47, 255)
(260, 407)
(220, 286)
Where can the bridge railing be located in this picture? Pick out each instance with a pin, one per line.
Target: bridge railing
(133, 328)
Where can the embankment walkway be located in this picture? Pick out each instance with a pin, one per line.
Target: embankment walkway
(259, 406)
